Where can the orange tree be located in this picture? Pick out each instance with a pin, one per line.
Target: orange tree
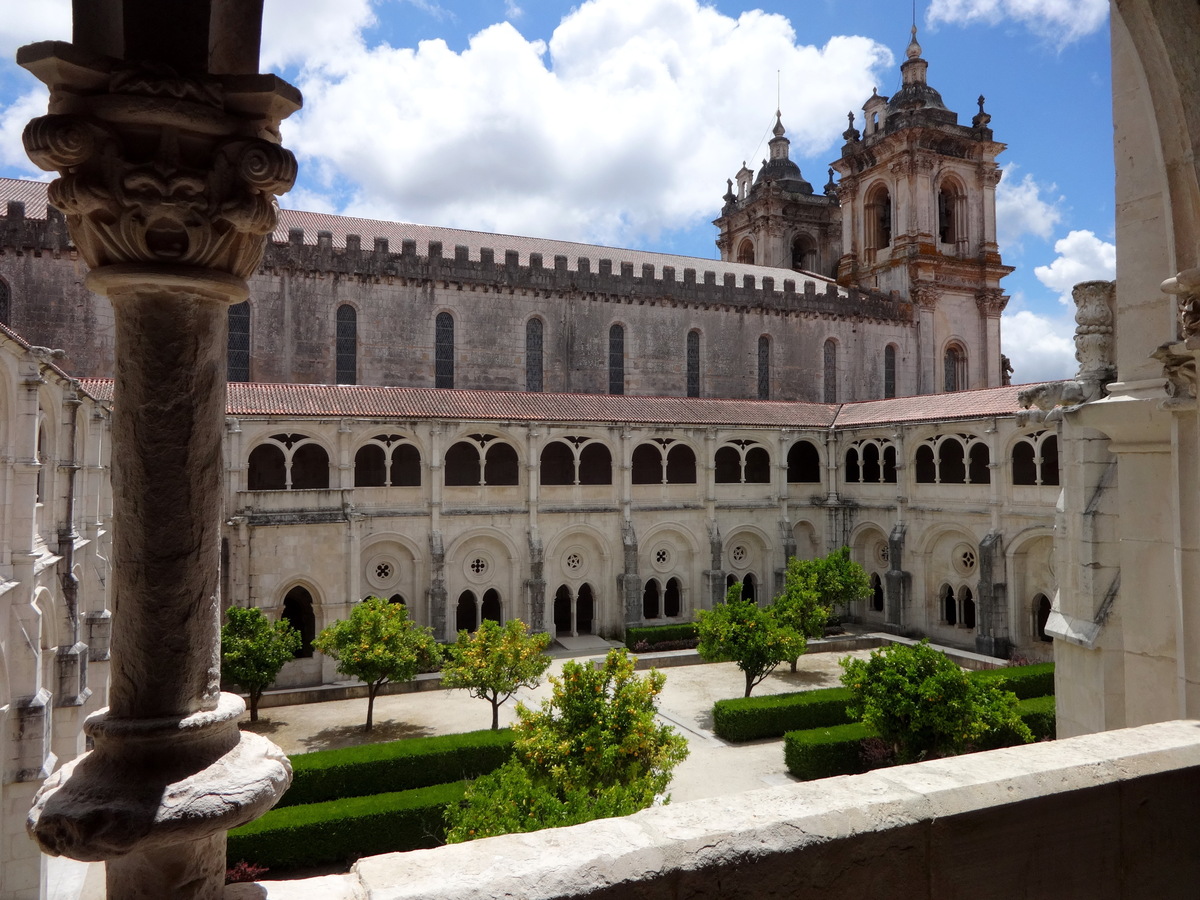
(254, 649)
(591, 751)
(740, 631)
(494, 662)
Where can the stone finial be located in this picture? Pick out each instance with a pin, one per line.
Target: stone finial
(913, 51)
(851, 134)
(830, 185)
(981, 119)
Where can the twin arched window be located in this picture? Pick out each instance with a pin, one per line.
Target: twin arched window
(288, 462)
(575, 461)
(945, 460)
(481, 460)
(664, 461)
(387, 460)
(1035, 460)
(742, 462)
(659, 601)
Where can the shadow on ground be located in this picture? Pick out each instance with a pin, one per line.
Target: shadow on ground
(352, 735)
(264, 725)
(803, 681)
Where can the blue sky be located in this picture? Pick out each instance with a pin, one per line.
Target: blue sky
(618, 121)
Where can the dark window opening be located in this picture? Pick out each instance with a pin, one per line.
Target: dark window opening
(1049, 466)
(952, 467)
(956, 369)
(647, 464)
(803, 464)
(926, 468)
(533, 355)
(557, 464)
(650, 600)
(310, 468)
(870, 464)
(406, 466)
(876, 593)
(266, 470)
(347, 345)
(562, 610)
(980, 459)
(298, 611)
(490, 609)
(238, 342)
(949, 606)
(764, 368)
(584, 610)
(728, 466)
(500, 465)
(750, 588)
(758, 466)
(671, 598)
(370, 466)
(693, 364)
(397, 598)
(889, 370)
(462, 465)
(746, 253)
(1042, 610)
(1024, 469)
(595, 465)
(853, 470)
(968, 608)
(616, 360)
(889, 465)
(804, 254)
(681, 465)
(466, 613)
(830, 372)
(443, 364)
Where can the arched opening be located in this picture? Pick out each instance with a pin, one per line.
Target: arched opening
(671, 598)
(878, 218)
(490, 608)
(876, 593)
(595, 464)
(1041, 611)
(462, 464)
(500, 465)
(952, 467)
(949, 222)
(443, 352)
(406, 466)
(1049, 466)
(238, 342)
(870, 464)
(347, 345)
(562, 610)
(949, 606)
(693, 364)
(764, 368)
(557, 464)
(745, 252)
(310, 468)
(681, 465)
(651, 606)
(750, 588)
(926, 468)
(398, 599)
(955, 365)
(853, 470)
(889, 465)
(980, 471)
(830, 371)
(968, 607)
(298, 611)
(647, 464)
(889, 371)
(266, 469)
(758, 466)
(803, 464)
(466, 612)
(804, 253)
(616, 360)
(370, 466)
(728, 466)
(1024, 469)
(585, 608)
(533, 355)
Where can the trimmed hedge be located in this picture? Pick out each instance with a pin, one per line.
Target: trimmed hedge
(824, 752)
(658, 634)
(395, 765)
(340, 831)
(1024, 681)
(750, 718)
(1038, 714)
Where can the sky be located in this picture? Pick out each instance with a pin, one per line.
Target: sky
(618, 121)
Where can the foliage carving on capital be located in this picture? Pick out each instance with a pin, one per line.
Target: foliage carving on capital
(161, 169)
(925, 295)
(991, 302)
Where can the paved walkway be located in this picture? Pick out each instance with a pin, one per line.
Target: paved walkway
(713, 768)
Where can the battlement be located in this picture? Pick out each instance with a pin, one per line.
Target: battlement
(603, 278)
(23, 233)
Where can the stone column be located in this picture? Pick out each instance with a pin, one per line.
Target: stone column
(169, 167)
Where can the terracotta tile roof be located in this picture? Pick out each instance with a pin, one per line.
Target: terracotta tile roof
(325, 401)
(1001, 401)
(33, 195)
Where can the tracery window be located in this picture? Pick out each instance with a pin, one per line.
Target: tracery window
(443, 364)
(481, 460)
(238, 342)
(955, 368)
(693, 364)
(663, 461)
(830, 371)
(288, 462)
(953, 459)
(1035, 460)
(742, 462)
(387, 460)
(347, 344)
(575, 460)
(533, 355)
(616, 360)
(764, 368)
(889, 371)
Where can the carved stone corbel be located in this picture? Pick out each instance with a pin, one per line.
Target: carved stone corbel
(1186, 287)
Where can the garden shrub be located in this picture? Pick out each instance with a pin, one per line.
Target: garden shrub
(659, 634)
(1024, 681)
(751, 718)
(824, 752)
(340, 831)
(1038, 714)
(395, 765)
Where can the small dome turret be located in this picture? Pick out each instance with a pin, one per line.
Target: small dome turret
(779, 168)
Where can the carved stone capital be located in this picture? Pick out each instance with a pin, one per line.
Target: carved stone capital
(1179, 369)
(925, 295)
(991, 302)
(1186, 287)
(158, 168)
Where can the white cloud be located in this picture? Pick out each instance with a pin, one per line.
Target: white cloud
(1023, 208)
(1060, 21)
(45, 20)
(1081, 257)
(592, 135)
(312, 32)
(512, 10)
(1041, 348)
(13, 119)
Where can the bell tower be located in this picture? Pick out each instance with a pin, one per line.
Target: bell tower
(918, 211)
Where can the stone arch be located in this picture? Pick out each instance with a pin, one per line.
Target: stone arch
(877, 216)
(955, 371)
(951, 200)
(804, 253)
(392, 563)
(298, 607)
(869, 547)
(486, 557)
(1031, 573)
(748, 551)
(804, 463)
(808, 543)
(745, 251)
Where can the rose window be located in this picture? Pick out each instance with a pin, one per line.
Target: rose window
(662, 557)
(739, 554)
(574, 561)
(383, 571)
(478, 565)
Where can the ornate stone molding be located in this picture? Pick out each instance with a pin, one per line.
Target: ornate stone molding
(1179, 369)
(1094, 330)
(1186, 287)
(991, 302)
(925, 295)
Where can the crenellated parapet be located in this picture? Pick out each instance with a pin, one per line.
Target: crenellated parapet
(22, 233)
(602, 279)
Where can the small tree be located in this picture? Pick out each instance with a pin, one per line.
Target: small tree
(254, 649)
(840, 580)
(592, 750)
(494, 662)
(377, 644)
(742, 632)
(924, 705)
(801, 604)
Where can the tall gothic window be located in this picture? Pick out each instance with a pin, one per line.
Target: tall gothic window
(693, 364)
(956, 368)
(347, 344)
(764, 368)
(238, 346)
(889, 370)
(533, 355)
(616, 360)
(443, 353)
(830, 378)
